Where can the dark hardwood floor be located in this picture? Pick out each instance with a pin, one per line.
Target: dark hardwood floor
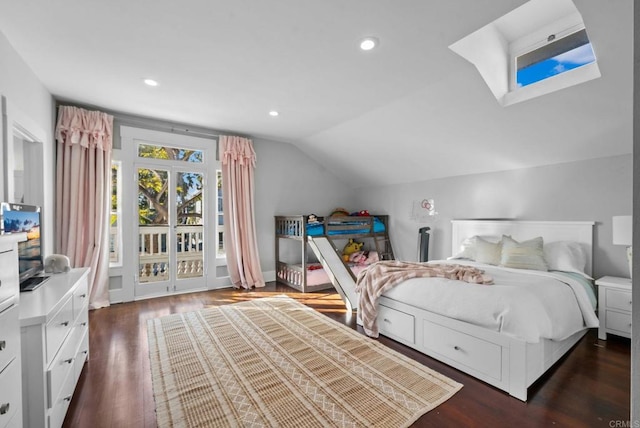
(589, 387)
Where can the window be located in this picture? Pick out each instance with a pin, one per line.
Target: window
(220, 222)
(169, 153)
(115, 220)
(518, 54)
(553, 58)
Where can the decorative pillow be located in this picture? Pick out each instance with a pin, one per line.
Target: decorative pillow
(488, 252)
(523, 255)
(468, 248)
(566, 256)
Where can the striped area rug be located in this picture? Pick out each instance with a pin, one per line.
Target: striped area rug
(278, 363)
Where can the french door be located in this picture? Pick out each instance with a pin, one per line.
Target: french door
(172, 223)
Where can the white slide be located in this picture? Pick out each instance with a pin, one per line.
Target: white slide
(339, 275)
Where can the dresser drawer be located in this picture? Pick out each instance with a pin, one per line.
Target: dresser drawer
(10, 401)
(59, 371)
(9, 286)
(81, 356)
(477, 354)
(9, 335)
(617, 299)
(618, 321)
(60, 406)
(80, 299)
(394, 323)
(58, 328)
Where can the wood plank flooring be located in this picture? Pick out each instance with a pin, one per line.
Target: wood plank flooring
(588, 388)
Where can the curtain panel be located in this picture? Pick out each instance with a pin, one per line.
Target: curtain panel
(83, 189)
(240, 239)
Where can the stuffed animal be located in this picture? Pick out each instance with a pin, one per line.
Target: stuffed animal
(57, 263)
(351, 247)
(312, 219)
(339, 212)
(364, 257)
(363, 213)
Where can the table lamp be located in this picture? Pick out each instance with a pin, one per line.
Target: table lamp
(623, 235)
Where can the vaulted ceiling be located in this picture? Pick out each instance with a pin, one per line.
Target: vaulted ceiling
(409, 110)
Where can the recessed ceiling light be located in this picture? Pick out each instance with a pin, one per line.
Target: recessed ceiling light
(273, 113)
(368, 43)
(150, 82)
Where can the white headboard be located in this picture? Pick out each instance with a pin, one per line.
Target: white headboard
(579, 231)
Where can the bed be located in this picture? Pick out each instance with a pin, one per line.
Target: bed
(304, 274)
(489, 348)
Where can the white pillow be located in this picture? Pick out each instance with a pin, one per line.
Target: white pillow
(523, 255)
(566, 256)
(488, 252)
(468, 248)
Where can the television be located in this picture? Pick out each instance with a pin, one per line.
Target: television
(18, 218)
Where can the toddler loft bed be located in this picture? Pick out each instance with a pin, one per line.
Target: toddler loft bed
(308, 276)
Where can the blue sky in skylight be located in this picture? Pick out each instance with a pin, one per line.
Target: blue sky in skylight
(574, 58)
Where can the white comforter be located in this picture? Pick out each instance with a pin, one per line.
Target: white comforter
(525, 304)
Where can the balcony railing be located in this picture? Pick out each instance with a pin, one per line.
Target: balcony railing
(154, 257)
(153, 252)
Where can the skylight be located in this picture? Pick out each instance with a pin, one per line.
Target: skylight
(559, 56)
(538, 48)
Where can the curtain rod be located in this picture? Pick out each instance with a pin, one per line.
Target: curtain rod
(152, 123)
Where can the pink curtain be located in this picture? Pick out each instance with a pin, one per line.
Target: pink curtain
(83, 189)
(240, 242)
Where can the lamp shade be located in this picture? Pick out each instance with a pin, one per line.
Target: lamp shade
(622, 230)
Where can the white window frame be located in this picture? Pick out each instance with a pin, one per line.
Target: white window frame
(535, 40)
(117, 160)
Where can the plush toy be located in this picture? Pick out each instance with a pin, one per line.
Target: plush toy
(351, 247)
(364, 257)
(57, 263)
(363, 213)
(339, 212)
(312, 219)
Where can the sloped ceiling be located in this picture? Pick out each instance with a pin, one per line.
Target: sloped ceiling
(408, 111)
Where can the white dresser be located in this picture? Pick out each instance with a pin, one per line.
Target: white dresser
(10, 382)
(54, 326)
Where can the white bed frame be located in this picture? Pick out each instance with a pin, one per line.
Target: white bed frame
(499, 360)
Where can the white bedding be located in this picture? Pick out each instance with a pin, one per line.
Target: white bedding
(525, 304)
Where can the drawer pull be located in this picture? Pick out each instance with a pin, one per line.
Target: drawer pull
(82, 296)
(65, 323)
(456, 347)
(84, 324)
(4, 408)
(67, 398)
(68, 360)
(3, 344)
(0, 283)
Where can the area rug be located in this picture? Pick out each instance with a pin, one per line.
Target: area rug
(278, 363)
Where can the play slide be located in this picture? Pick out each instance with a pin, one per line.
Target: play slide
(337, 271)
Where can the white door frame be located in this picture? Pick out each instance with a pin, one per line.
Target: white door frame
(130, 163)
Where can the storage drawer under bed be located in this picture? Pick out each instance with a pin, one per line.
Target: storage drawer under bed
(396, 324)
(477, 354)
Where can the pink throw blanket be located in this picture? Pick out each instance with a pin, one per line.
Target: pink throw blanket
(384, 275)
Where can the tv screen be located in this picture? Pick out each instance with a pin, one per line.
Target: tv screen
(24, 218)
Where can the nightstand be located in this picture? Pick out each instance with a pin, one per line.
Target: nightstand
(614, 306)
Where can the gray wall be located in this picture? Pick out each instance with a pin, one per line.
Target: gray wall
(289, 182)
(589, 190)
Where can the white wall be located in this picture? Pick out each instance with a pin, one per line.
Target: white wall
(288, 182)
(588, 190)
(30, 103)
